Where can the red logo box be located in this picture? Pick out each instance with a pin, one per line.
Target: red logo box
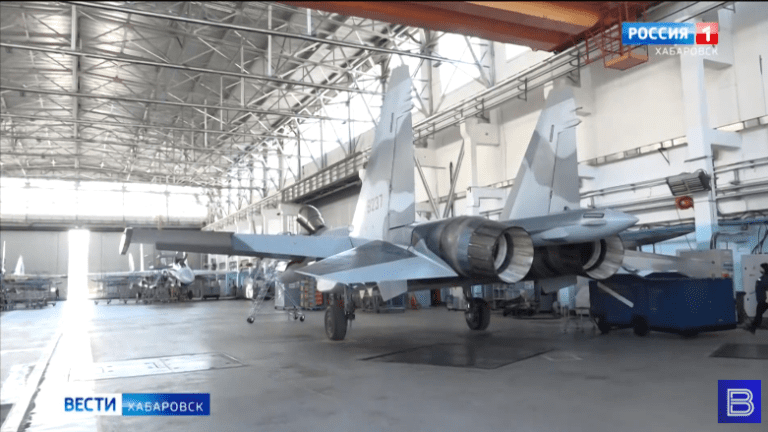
(706, 33)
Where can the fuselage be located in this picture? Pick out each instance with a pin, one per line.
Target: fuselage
(569, 242)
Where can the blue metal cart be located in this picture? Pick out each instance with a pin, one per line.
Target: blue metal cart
(666, 302)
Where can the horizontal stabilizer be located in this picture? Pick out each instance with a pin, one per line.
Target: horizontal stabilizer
(377, 262)
(641, 237)
(225, 243)
(649, 262)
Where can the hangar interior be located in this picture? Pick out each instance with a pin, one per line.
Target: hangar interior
(232, 116)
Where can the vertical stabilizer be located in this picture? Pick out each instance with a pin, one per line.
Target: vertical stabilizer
(547, 181)
(386, 198)
(131, 263)
(19, 266)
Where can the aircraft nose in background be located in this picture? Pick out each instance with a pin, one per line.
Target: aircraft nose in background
(186, 276)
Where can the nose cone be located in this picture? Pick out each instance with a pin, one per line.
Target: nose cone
(186, 276)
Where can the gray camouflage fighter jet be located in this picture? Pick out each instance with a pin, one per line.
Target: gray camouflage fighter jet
(166, 282)
(544, 235)
(19, 277)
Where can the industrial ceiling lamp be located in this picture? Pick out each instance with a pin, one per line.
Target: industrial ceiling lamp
(688, 183)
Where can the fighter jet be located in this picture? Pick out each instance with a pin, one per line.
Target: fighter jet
(543, 236)
(166, 282)
(35, 290)
(19, 277)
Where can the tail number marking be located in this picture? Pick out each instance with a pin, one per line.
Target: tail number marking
(374, 204)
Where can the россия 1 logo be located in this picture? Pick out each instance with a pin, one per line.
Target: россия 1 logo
(738, 401)
(636, 33)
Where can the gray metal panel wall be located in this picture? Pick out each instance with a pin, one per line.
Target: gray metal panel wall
(44, 252)
(104, 254)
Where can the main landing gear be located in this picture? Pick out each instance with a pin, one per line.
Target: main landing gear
(478, 313)
(340, 312)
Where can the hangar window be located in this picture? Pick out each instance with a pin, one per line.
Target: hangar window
(468, 49)
(363, 111)
(45, 198)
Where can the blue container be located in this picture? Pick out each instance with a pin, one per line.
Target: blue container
(665, 302)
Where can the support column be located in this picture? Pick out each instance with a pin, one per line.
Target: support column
(75, 87)
(701, 137)
(700, 155)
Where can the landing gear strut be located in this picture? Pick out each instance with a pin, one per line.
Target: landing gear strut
(478, 314)
(340, 312)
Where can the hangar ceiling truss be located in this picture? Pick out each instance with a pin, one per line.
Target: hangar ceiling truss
(207, 94)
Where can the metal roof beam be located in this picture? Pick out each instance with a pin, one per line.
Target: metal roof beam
(153, 126)
(308, 38)
(170, 103)
(450, 17)
(145, 62)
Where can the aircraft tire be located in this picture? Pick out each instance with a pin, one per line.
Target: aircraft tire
(478, 315)
(335, 322)
(640, 326)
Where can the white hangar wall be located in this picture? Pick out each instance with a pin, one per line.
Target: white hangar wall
(44, 252)
(630, 109)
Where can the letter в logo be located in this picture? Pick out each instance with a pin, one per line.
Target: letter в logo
(739, 401)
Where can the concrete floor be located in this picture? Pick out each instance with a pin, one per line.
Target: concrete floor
(294, 379)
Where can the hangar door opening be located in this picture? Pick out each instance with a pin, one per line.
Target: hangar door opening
(77, 279)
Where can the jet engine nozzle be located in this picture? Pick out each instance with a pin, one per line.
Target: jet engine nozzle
(310, 219)
(517, 256)
(606, 259)
(475, 246)
(599, 259)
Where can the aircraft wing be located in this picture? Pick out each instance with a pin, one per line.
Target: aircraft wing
(121, 276)
(208, 274)
(288, 247)
(641, 237)
(33, 279)
(379, 262)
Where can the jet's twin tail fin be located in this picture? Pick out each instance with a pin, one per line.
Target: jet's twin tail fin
(546, 182)
(131, 263)
(19, 270)
(386, 197)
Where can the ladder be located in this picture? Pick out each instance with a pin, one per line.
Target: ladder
(258, 302)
